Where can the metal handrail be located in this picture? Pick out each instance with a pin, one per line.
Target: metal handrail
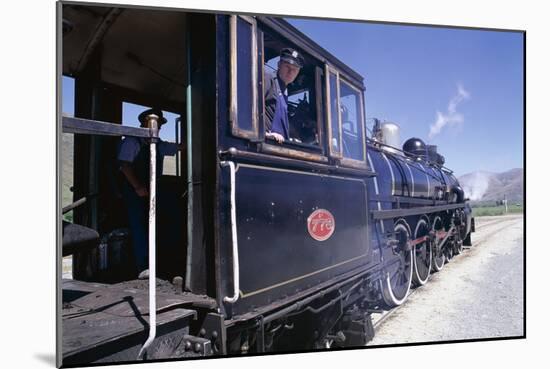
(374, 143)
(78, 203)
(152, 121)
(234, 240)
(96, 127)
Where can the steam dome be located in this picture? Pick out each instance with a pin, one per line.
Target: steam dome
(414, 147)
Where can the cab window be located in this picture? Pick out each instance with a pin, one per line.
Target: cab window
(304, 120)
(351, 122)
(243, 60)
(344, 107)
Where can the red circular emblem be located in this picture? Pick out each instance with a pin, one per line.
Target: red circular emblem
(320, 224)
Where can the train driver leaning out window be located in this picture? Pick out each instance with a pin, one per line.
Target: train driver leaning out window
(276, 95)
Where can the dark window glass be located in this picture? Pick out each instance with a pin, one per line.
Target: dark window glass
(302, 114)
(244, 74)
(352, 133)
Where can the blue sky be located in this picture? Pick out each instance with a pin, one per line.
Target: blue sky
(473, 78)
(469, 80)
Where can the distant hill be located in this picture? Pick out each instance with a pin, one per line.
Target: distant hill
(486, 186)
(67, 143)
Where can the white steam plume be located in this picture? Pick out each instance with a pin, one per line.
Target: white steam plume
(452, 117)
(475, 185)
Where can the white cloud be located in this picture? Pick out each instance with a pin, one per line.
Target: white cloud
(452, 116)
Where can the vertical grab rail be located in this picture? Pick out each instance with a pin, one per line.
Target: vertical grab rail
(189, 142)
(152, 121)
(234, 242)
(178, 141)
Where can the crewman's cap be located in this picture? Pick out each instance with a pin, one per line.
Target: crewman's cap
(292, 56)
(143, 116)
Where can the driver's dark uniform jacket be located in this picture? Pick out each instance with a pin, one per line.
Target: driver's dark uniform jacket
(276, 105)
(136, 152)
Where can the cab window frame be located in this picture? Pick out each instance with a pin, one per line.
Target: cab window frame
(361, 124)
(237, 128)
(339, 154)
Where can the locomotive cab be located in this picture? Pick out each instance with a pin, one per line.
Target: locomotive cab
(117, 63)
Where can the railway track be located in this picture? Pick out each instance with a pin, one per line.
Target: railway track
(379, 319)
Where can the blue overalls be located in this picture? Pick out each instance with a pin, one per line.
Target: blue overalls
(138, 207)
(280, 120)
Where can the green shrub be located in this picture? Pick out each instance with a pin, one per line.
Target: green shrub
(496, 210)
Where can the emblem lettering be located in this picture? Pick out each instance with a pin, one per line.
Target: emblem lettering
(321, 224)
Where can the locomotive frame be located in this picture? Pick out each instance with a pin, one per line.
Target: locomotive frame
(256, 275)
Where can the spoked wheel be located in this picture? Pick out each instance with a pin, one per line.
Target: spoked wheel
(422, 252)
(398, 278)
(438, 254)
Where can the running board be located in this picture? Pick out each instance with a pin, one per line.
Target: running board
(397, 213)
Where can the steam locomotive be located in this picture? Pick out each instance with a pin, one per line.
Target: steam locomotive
(411, 176)
(283, 247)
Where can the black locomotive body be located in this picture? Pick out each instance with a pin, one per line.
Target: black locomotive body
(284, 247)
